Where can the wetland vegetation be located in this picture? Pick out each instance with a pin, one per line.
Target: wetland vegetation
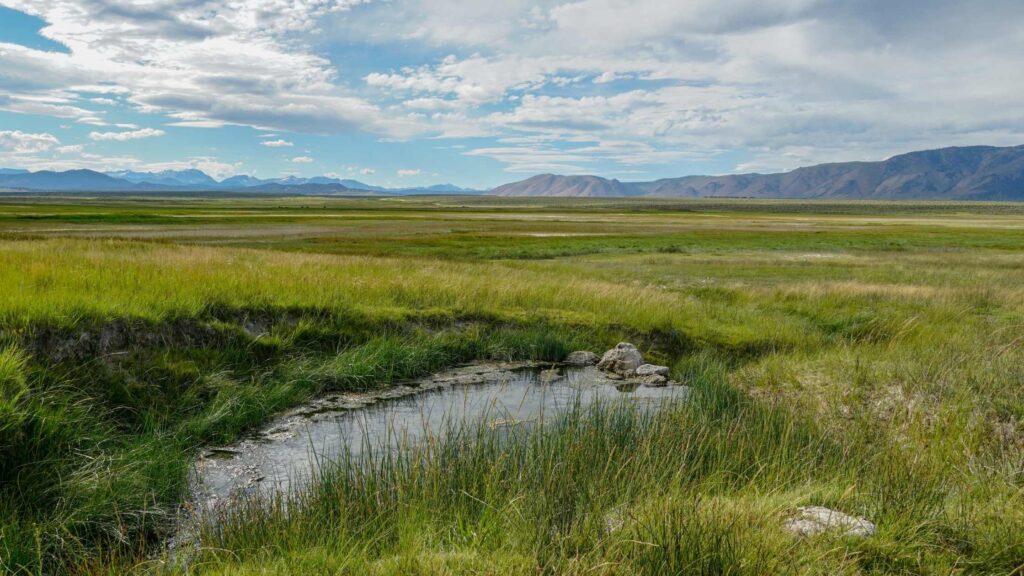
(868, 357)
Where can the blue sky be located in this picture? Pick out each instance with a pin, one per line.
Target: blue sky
(415, 92)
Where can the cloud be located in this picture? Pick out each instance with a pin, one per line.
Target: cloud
(48, 106)
(540, 158)
(596, 85)
(211, 124)
(208, 63)
(211, 165)
(125, 136)
(406, 172)
(277, 144)
(302, 160)
(76, 157)
(26, 143)
(367, 171)
(685, 80)
(613, 23)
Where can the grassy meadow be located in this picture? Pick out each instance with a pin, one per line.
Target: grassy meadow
(863, 356)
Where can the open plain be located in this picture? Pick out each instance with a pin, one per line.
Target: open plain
(867, 357)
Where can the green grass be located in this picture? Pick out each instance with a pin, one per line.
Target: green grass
(96, 454)
(700, 488)
(866, 356)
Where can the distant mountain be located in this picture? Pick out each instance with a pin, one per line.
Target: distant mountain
(242, 181)
(357, 185)
(554, 185)
(72, 180)
(447, 189)
(187, 178)
(194, 181)
(323, 180)
(969, 173)
(304, 188)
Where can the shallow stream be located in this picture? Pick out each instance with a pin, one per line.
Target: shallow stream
(285, 454)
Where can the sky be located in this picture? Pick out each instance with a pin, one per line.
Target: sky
(417, 92)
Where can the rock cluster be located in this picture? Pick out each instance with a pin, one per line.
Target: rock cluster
(624, 362)
(652, 375)
(814, 520)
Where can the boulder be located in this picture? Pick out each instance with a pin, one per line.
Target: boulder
(652, 370)
(582, 358)
(814, 520)
(654, 381)
(624, 359)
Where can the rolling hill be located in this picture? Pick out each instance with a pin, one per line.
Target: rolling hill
(968, 173)
(554, 185)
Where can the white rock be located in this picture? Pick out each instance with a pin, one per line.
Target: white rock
(624, 359)
(614, 520)
(582, 358)
(814, 520)
(651, 369)
(654, 381)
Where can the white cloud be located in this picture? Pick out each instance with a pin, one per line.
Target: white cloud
(207, 63)
(76, 157)
(838, 79)
(277, 144)
(302, 160)
(20, 142)
(198, 123)
(540, 158)
(559, 84)
(430, 104)
(367, 171)
(406, 172)
(212, 166)
(125, 136)
(613, 23)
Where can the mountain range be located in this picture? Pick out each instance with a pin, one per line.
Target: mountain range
(967, 173)
(193, 180)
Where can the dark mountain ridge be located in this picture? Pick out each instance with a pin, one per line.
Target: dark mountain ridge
(966, 173)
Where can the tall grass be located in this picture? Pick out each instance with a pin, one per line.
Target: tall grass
(95, 459)
(839, 356)
(701, 487)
